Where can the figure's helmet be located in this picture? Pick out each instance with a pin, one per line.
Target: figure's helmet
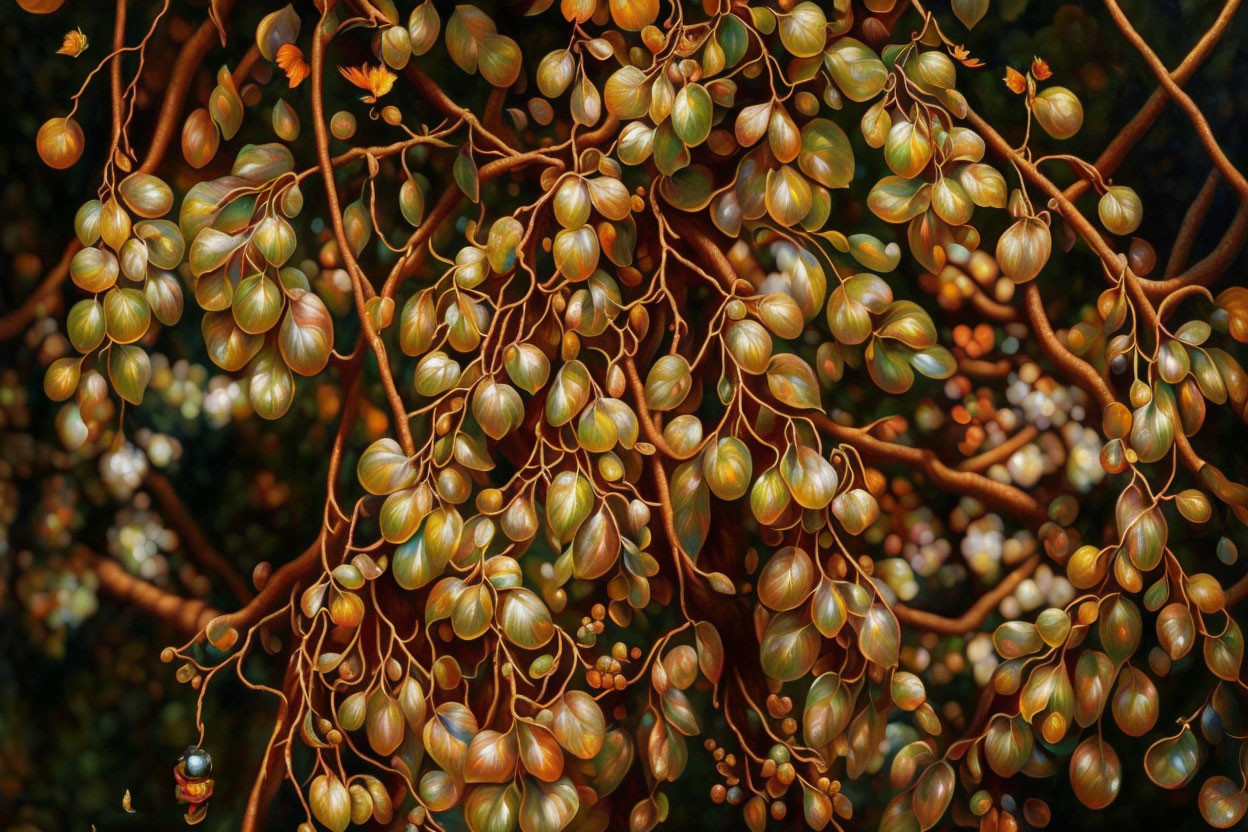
(197, 762)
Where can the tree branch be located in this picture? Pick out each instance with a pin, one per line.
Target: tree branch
(114, 71)
(175, 511)
(1080, 371)
(1116, 151)
(277, 591)
(1193, 218)
(1233, 177)
(41, 299)
(188, 616)
(1003, 497)
(358, 279)
(1212, 266)
(1000, 453)
(970, 620)
(192, 55)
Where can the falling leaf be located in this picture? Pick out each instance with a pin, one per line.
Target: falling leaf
(125, 802)
(1015, 80)
(290, 59)
(1040, 69)
(376, 80)
(75, 43)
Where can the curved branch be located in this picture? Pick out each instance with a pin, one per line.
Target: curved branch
(175, 511)
(277, 591)
(358, 279)
(192, 55)
(188, 616)
(1212, 266)
(1079, 370)
(998, 454)
(14, 323)
(1116, 151)
(970, 620)
(1233, 177)
(1193, 462)
(1193, 219)
(1115, 263)
(442, 209)
(1003, 497)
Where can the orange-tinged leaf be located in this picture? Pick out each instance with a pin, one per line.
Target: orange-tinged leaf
(1015, 81)
(963, 55)
(74, 44)
(290, 60)
(375, 80)
(1040, 69)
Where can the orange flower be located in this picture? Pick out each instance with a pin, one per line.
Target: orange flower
(1015, 81)
(375, 80)
(961, 53)
(75, 44)
(290, 59)
(1040, 69)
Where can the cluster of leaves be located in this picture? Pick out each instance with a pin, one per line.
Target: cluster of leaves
(594, 379)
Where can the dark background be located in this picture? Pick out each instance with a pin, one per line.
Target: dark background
(88, 712)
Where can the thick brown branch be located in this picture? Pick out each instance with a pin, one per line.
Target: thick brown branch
(114, 72)
(192, 55)
(1080, 371)
(1000, 496)
(1212, 266)
(652, 431)
(1193, 462)
(189, 616)
(277, 591)
(711, 252)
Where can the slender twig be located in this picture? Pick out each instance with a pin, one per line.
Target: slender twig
(970, 620)
(176, 512)
(1191, 225)
(358, 280)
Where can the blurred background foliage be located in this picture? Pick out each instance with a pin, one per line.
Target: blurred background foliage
(87, 711)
